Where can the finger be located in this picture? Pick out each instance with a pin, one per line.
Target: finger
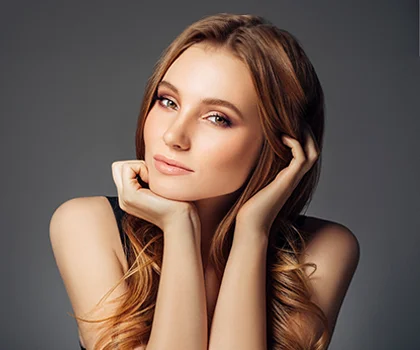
(143, 171)
(130, 170)
(299, 157)
(311, 146)
(132, 161)
(128, 175)
(116, 174)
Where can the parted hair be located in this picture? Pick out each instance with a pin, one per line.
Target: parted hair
(290, 97)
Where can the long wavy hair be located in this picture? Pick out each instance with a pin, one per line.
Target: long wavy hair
(290, 97)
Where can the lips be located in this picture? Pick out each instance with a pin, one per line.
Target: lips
(171, 162)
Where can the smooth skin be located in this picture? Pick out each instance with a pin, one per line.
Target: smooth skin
(180, 318)
(257, 215)
(189, 124)
(85, 238)
(259, 212)
(142, 202)
(242, 292)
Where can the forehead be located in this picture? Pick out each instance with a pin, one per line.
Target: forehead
(202, 71)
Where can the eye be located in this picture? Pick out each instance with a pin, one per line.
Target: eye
(226, 122)
(161, 99)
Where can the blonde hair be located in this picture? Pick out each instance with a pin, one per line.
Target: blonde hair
(290, 96)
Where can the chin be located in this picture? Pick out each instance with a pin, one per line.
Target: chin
(179, 192)
(176, 193)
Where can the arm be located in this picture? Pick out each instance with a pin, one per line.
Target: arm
(82, 236)
(336, 252)
(241, 303)
(239, 320)
(180, 319)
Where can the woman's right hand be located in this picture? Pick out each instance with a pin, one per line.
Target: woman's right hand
(145, 204)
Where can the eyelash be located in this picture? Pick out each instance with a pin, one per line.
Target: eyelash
(227, 122)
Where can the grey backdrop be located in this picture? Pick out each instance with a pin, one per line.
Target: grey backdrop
(72, 79)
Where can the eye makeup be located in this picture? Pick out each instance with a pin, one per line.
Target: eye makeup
(226, 121)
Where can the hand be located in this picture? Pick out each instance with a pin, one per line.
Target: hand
(260, 211)
(142, 202)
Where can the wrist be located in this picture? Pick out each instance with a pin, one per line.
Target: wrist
(250, 232)
(186, 221)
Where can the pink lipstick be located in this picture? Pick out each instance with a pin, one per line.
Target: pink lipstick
(170, 167)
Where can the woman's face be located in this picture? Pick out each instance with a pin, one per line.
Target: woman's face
(220, 144)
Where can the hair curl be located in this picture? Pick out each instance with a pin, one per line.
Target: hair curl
(289, 97)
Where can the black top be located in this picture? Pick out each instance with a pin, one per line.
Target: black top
(119, 213)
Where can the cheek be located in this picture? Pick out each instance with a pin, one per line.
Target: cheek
(151, 128)
(150, 137)
(234, 157)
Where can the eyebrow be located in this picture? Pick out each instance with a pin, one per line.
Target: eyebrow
(207, 101)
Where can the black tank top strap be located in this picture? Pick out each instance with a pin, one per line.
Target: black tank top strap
(300, 220)
(119, 214)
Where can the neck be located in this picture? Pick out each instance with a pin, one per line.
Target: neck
(211, 211)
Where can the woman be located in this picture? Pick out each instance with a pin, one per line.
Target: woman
(213, 251)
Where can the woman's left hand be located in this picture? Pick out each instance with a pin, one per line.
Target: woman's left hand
(260, 211)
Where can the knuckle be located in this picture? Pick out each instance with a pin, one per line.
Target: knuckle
(125, 202)
(122, 203)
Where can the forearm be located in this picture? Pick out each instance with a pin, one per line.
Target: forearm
(239, 320)
(180, 319)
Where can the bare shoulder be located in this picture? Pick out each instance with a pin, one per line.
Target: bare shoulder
(84, 237)
(87, 210)
(330, 234)
(335, 251)
(98, 211)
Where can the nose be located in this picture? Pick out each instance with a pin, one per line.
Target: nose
(177, 134)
